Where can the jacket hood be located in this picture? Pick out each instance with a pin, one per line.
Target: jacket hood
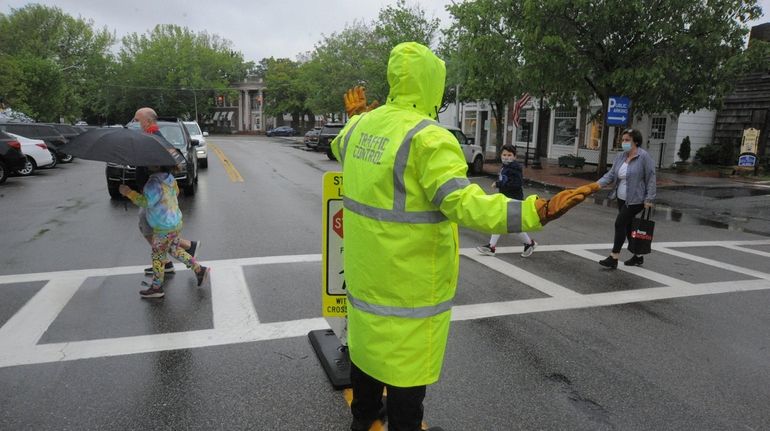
(165, 178)
(416, 78)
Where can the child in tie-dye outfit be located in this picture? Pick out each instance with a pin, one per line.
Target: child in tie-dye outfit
(159, 197)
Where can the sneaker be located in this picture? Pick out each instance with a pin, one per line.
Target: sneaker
(610, 262)
(486, 250)
(168, 269)
(203, 274)
(195, 247)
(152, 292)
(634, 261)
(529, 249)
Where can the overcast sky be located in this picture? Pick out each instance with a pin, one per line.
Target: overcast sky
(257, 28)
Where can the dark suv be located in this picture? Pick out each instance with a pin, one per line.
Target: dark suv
(329, 131)
(52, 138)
(186, 177)
(11, 157)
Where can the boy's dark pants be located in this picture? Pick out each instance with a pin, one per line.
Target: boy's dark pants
(623, 223)
(404, 404)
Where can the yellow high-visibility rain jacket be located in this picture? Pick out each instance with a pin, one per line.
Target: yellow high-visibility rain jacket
(405, 190)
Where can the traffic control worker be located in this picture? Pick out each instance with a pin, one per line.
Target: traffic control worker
(405, 192)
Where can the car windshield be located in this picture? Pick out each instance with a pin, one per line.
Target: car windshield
(331, 129)
(172, 132)
(193, 129)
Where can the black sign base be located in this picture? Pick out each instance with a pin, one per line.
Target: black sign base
(333, 356)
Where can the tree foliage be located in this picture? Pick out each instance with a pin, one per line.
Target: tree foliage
(484, 54)
(666, 55)
(170, 68)
(358, 55)
(50, 62)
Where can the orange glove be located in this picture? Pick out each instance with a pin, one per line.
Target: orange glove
(561, 203)
(355, 101)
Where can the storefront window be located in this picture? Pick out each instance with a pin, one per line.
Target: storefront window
(523, 133)
(469, 124)
(565, 126)
(594, 131)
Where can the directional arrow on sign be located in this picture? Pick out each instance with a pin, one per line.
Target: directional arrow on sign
(623, 118)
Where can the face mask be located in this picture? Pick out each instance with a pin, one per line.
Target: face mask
(626, 146)
(506, 160)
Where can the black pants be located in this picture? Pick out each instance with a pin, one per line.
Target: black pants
(626, 214)
(404, 404)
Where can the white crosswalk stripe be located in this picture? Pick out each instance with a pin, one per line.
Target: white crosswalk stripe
(236, 321)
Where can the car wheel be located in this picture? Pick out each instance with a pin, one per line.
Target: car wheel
(204, 163)
(66, 158)
(478, 165)
(330, 154)
(55, 159)
(28, 169)
(189, 189)
(3, 172)
(112, 189)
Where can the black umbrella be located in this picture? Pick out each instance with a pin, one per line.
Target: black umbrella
(124, 147)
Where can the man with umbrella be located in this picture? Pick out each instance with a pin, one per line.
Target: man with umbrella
(148, 121)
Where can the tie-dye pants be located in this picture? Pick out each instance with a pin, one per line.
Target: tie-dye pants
(164, 244)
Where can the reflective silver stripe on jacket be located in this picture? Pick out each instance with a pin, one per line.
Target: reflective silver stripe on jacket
(514, 216)
(344, 146)
(383, 214)
(410, 312)
(448, 187)
(399, 166)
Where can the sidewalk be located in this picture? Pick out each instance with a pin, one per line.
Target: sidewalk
(551, 175)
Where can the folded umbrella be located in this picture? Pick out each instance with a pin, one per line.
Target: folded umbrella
(124, 146)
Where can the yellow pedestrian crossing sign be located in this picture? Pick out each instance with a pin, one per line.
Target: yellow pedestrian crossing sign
(334, 300)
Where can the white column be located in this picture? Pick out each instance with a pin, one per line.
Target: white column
(247, 115)
(240, 109)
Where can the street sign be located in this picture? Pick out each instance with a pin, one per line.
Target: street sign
(750, 141)
(333, 296)
(618, 110)
(330, 345)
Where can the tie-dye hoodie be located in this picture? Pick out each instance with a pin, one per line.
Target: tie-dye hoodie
(159, 197)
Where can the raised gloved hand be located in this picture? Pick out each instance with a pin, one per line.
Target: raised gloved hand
(555, 207)
(355, 101)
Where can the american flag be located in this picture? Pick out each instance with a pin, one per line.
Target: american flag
(518, 106)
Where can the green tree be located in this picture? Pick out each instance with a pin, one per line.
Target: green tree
(171, 68)
(667, 56)
(286, 92)
(358, 55)
(50, 62)
(484, 54)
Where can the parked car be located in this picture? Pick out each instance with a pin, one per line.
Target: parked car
(53, 139)
(186, 176)
(11, 157)
(311, 138)
(282, 131)
(329, 131)
(36, 154)
(474, 155)
(202, 150)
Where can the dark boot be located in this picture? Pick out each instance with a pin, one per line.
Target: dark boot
(634, 261)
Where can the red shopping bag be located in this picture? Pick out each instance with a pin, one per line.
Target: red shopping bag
(642, 229)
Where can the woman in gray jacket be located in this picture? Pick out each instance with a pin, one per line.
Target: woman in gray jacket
(633, 173)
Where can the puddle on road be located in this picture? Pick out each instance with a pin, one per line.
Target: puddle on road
(719, 192)
(663, 212)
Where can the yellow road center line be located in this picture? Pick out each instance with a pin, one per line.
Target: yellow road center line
(233, 173)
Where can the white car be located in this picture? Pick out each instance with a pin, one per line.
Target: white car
(36, 153)
(474, 156)
(201, 151)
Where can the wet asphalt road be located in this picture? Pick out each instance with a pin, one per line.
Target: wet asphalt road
(577, 348)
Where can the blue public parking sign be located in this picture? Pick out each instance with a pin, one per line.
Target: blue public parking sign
(617, 110)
